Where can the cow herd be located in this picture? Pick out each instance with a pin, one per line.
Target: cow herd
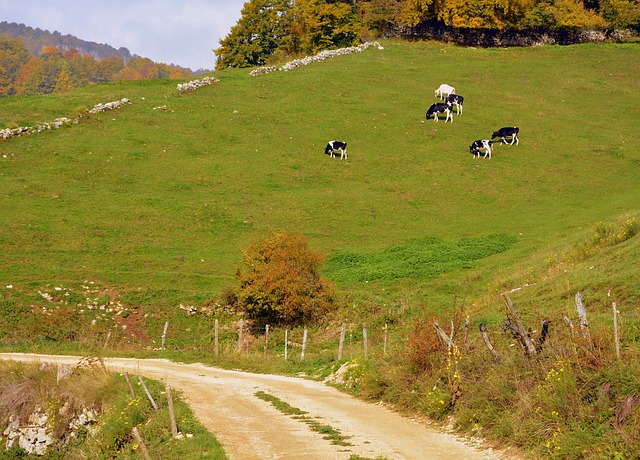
(447, 94)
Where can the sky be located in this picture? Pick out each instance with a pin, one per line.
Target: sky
(181, 32)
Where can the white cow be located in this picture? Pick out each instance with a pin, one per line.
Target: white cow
(444, 90)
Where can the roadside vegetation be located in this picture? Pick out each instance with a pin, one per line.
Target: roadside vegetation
(135, 218)
(110, 413)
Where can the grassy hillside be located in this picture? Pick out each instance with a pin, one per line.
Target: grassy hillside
(154, 202)
(158, 197)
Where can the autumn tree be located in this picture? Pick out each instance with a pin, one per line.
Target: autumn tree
(554, 14)
(327, 24)
(379, 15)
(64, 83)
(83, 69)
(280, 283)
(109, 67)
(13, 55)
(263, 27)
(621, 13)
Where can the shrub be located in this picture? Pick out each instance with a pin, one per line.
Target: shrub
(424, 349)
(280, 281)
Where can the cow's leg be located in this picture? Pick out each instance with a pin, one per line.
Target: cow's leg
(517, 140)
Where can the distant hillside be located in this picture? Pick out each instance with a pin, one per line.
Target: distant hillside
(35, 39)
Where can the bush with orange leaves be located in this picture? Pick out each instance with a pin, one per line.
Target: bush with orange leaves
(280, 283)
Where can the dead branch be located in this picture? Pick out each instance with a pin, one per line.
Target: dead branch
(485, 336)
(443, 335)
(516, 325)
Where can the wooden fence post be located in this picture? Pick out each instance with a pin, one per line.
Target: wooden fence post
(518, 327)
(240, 327)
(386, 332)
(106, 342)
(126, 377)
(569, 323)
(164, 333)
(366, 340)
(172, 414)
(615, 330)
(304, 345)
(582, 313)
(343, 331)
(215, 338)
(443, 335)
(485, 336)
(286, 343)
(143, 447)
(146, 390)
(266, 340)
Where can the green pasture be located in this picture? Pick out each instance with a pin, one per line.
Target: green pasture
(164, 194)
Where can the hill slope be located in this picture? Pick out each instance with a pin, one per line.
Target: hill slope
(114, 197)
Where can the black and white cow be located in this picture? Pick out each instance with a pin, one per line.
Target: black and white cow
(440, 107)
(457, 101)
(503, 133)
(336, 146)
(478, 145)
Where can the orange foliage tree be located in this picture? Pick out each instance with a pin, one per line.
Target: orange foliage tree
(280, 281)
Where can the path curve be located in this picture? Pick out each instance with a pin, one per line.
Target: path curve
(249, 428)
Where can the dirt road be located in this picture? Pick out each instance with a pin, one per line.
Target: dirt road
(252, 429)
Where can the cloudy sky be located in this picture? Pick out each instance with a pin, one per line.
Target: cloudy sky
(181, 32)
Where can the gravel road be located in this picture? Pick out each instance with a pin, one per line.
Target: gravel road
(251, 429)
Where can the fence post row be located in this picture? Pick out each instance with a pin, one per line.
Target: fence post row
(215, 338)
(143, 447)
(146, 390)
(266, 340)
(304, 345)
(126, 377)
(582, 313)
(164, 333)
(366, 340)
(343, 331)
(386, 331)
(172, 414)
(615, 330)
(286, 343)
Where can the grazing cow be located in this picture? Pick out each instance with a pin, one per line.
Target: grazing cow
(503, 133)
(481, 145)
(444, 90)
(456, 100)
(334, 146)
(440, 107)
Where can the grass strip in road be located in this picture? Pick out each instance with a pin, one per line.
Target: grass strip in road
(330, 434)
